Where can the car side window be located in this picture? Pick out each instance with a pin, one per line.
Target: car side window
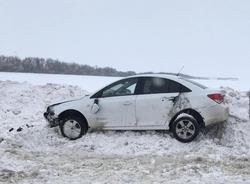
(121, 88)
(175, 87)
(154, 85)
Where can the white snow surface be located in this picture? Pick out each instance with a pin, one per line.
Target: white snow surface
(89, 83)
(39, 154)
(94, 83)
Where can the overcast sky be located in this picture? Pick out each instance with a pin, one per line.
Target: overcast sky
(208, 38)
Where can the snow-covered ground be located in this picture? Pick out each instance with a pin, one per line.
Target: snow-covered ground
(89, 83)
(93, 83)
(38, 154)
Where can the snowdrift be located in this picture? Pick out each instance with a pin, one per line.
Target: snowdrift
(30, 151)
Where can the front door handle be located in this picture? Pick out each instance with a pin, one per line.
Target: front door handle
(127, 103)
(164, 98)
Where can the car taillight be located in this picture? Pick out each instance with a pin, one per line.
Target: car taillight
(217, 97)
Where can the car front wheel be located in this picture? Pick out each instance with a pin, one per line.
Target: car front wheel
(73, 127)
(185, 129)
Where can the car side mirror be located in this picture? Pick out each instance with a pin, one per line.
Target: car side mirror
(95, 107)
(96, 101)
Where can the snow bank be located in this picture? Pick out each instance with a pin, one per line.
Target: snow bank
(30, 150)
(93, 83)
(90, 83)
(235, 132)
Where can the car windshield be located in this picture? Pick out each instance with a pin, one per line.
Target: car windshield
(195, 83)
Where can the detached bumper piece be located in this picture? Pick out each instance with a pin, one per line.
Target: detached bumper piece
(51, 118)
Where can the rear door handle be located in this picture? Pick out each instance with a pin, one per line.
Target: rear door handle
(172, 98)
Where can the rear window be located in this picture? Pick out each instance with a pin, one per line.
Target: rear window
(195, 83)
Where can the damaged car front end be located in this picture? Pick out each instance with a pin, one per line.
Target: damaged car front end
(53, 112)
(51, 117)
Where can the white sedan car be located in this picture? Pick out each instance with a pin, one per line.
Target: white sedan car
(142, 102)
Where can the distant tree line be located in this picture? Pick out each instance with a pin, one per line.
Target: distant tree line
(52, 66)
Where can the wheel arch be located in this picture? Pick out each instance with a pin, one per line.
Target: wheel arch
(190, 112)
(72, 112)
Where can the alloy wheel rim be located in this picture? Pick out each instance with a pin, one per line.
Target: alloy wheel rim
(185, 129)
(72, 129)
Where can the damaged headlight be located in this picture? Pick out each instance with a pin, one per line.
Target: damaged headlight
(51, 111)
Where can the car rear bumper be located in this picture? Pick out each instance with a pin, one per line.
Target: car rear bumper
(214, 114)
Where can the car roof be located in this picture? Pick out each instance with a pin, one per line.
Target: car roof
(173, 77)
(168, 76)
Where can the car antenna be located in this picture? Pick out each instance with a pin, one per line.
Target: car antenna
(180, 71)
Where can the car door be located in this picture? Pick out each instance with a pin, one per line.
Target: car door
(155, 101)
(117, 105)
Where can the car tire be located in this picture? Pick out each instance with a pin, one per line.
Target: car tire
(185, 129)
(73, 127)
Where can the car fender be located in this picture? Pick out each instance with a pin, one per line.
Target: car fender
(83, 106)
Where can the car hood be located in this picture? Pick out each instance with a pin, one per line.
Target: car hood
(63, 102)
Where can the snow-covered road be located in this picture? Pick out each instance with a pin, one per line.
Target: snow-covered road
(38, 154)
(77, 167)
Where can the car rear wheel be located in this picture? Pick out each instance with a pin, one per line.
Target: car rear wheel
(185, 129)
(73, 127)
